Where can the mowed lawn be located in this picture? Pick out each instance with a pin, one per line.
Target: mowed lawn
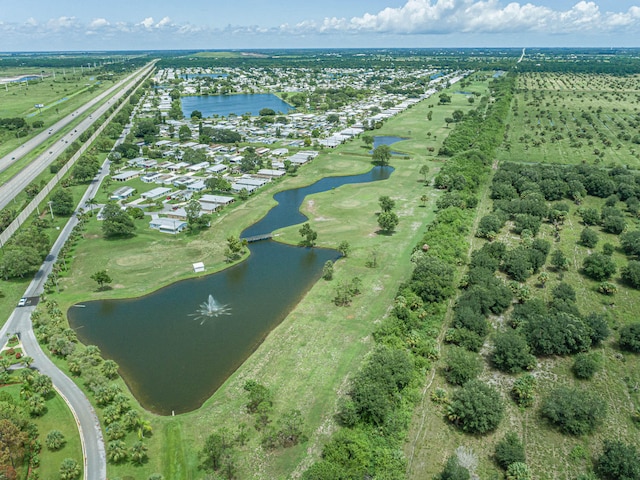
(305, 361)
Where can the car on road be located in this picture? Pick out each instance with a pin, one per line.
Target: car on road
(22, 302)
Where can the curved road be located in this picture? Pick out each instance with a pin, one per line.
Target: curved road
(95, 464)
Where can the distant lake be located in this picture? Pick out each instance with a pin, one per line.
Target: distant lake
(201, 75)
(224, 105)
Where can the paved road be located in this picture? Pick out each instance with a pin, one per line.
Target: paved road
(95, 464)
(20, 322)
(10, 189)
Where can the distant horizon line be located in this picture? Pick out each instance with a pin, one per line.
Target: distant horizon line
(14, 52)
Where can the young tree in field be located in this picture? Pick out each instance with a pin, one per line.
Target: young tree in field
(382, 155)
(235, 248)
(559, 260)
(344, 248)
(388, 221)
(386, 203)
(424, 171)
(102, 278)
(367, 140)
(327, 270)
(309, 235)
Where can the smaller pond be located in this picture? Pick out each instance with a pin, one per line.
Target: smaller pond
(387, 140)
(176, 346)
(225, 105)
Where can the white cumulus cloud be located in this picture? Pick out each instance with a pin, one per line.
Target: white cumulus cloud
(476, 16)
(147, 22)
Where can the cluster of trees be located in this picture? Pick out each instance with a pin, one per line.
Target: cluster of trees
(117, 222)
(18, 436)
(24, 252)
(98, 375)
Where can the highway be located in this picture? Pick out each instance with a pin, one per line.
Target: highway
(19, 182)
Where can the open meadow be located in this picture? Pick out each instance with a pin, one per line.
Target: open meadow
(568, 118)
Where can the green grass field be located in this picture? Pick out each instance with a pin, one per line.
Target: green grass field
(57, 417)
(308, 358)
(60, 97)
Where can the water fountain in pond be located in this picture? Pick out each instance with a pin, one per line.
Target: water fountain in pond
(210, 309)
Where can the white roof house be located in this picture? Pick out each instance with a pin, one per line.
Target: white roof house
(126, 175)
(122, 193)
(168, 225)
(156, 193)
(217, 199)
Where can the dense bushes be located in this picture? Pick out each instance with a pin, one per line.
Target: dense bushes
(618, 461)
(509, 450)
(511, 353)
(476, 408)
(574, 411)
(630, 338)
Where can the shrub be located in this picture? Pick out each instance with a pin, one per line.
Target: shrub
(511, 353)
(586, 365)
(618, 461)
(462, 366)
(599, 329)
(522, 390)
(454, 471)
(476, 408)
(631, 273)
(598, 266)
(574, 411)
(509, 450)
(630, 337)
(55, 440)
(588, 238)
(518, 471)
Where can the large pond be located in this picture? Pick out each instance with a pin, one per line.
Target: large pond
(173, 351)
(239, 104)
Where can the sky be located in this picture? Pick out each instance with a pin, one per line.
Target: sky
(89, 25)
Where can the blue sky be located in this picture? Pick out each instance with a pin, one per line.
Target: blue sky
(45, 25)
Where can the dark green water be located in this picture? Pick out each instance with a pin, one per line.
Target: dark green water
(174, 359)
